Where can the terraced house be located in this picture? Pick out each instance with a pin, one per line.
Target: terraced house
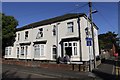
(69, 34)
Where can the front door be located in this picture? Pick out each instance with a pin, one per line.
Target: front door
(68, 51)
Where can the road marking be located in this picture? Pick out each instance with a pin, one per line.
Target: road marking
(113, 69)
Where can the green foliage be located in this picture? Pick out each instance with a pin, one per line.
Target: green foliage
(107, 40)
(9, 24)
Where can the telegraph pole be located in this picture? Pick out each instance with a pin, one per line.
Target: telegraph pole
(92, 29)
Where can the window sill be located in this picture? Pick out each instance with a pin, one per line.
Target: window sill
(72, 33)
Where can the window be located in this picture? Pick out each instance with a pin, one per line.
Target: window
(75, 48)
(40, 33)
(54, 30)
(54, 49)
(66, 44)
(26, 50)
(42, 50)
(18, 36)
(26, 34)
(70, 48)
(18, 51)
(6, 51)
(10, 51)
(22, 50)
(70, 27)
(70, 44)
(37, 51)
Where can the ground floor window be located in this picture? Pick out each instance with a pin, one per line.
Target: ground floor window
(39, 50)
(36, 51)
(6, 51)
(22, 50)
(26, 50)
(17, 51)
(70, 48)
(54, 51)
(10, 51)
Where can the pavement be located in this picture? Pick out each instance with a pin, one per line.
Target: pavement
(105, 71)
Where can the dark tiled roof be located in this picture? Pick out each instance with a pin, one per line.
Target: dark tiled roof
(51, 20)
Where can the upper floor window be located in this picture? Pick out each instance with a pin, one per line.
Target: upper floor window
(70, 27)
(18, 36)
(26, 34)
(40, 33)
(54, 30)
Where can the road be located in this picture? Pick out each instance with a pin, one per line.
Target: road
(13, 71)
(28, 73)
(107, 70)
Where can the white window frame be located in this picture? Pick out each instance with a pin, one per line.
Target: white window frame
(6, 51)
(54, 31)
(40, 34)
(18, 36)
(73, 46)
(39, 50)
(70, 27)
(22, 50)
(42, 50)
(26, 35)
(10, 49)
(54, 54)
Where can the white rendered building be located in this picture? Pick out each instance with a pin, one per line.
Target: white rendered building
(51, 38)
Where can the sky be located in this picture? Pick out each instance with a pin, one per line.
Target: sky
(28, 12)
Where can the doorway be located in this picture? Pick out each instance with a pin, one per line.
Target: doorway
(68, 51)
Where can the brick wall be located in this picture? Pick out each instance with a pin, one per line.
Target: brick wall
(43, 65)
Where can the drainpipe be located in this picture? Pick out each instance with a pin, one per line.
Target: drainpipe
(79, 36)
(57, 38)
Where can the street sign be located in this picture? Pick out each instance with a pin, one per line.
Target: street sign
(89, 43)
(88, 39)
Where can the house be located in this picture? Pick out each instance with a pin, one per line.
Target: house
(69, 34)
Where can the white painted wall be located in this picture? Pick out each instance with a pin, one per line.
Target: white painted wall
(51, 40)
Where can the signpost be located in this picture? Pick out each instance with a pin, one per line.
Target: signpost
(89, 40)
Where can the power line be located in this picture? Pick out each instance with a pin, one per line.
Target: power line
(103, 17)
(77, 7)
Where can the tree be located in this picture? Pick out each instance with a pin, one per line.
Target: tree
(9, 24)
(107, 40)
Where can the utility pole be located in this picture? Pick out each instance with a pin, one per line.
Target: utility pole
(90, 10)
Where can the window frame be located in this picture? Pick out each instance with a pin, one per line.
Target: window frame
(54, 31)
(26, 35)
(18, 37)
(70, 27)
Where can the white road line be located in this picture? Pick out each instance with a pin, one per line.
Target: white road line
(113, 69)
